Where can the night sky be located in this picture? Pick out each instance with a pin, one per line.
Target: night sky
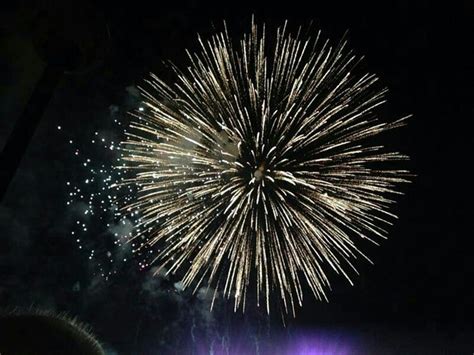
(418, 298)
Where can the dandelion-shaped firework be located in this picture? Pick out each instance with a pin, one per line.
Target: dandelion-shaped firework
(253, 170)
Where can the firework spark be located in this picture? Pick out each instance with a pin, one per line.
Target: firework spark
(253, 170)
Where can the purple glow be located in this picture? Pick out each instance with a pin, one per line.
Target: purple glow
(320, 343)
(310, 342)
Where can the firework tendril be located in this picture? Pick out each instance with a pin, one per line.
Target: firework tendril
(253, 169)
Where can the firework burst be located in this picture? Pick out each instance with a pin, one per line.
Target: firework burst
(253, 170)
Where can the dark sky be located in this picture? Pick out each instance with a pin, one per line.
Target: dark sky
(422, 279)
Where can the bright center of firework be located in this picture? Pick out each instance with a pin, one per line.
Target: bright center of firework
(259, 173)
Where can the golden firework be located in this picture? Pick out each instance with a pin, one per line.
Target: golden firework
(253, 168)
